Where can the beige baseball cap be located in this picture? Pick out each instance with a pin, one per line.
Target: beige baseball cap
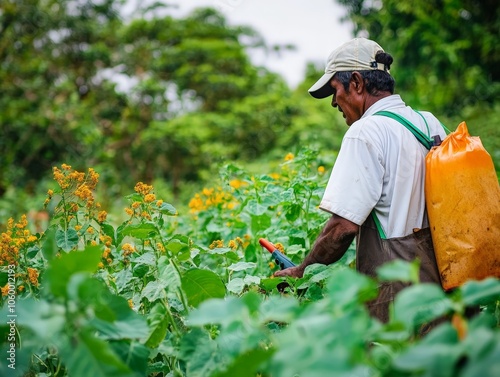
(356, 55)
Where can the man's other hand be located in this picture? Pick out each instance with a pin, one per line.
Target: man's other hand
(295, 272)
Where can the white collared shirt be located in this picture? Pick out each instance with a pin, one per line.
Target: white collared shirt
(381, 167)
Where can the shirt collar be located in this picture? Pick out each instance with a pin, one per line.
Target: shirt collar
(390, 102)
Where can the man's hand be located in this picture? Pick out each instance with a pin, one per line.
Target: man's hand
(295, 272)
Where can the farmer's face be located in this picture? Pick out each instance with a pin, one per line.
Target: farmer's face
(348, 102)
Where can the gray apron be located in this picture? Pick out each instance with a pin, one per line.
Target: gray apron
(373, 251)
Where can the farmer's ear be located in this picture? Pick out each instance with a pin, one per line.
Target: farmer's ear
(357, 82)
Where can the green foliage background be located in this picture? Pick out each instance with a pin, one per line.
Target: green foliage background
(157, 98)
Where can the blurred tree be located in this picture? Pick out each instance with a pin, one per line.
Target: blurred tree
(189, 94)
(209, 102)
(51, 99)
(446, 52)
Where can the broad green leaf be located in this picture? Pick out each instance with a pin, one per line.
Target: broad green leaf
(126, 323)
(287, 196)
(147, 258)
(132, 326)
(270, 283)
(348, 288)
(140, 270)
(49, 246)
(480, 292)
(134, 354)
(140, 231)
(315, 273)
(241, 266)
(250, 279)
(158, 325)
(135, 197)
(236, 286)
(167, 209)
(218, 311)
(60, 270)
(66, 239)
(278, 309)
(113, 317)
(399, 270)
(220, 250)
(109, 231)
(169, 275)
(293, 212)
(482, 348)
(123, 279)
(247, 363)
(200, 285)
(436, 355)
(254, 208)
(215, 226)
(420, 303)
(32, 252)
(200, 353)
(44, 318)
(154, 290)
(177, 246)
(260, 223)
(90, 356)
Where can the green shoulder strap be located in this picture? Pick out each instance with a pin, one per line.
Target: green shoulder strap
(424, 139)
(380, 230)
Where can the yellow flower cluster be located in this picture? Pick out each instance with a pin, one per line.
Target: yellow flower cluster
(289, 157)
(13, 239)
(210, 197)
(33, 276)
(280, 247)
(101, 216)
(143, 188)
(5, 290)
(82, 185)
(127, 249)
(216, 244)
(233, 244)
(149, 198)
(237, 183)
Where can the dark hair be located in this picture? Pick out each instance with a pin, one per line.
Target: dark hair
(375, 80)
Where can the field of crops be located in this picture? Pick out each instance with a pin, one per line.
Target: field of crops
(163, 293)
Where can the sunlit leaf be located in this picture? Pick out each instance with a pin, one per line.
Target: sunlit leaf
(420, 303)
(480, 292)
(67, 239)
(200, 285)
(399, 270)
(61, 269)
(140, 231)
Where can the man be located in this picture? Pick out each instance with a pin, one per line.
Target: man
(376, 188)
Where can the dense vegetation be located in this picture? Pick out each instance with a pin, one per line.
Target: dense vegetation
(158, 98)
(168, 295)
(143, 158)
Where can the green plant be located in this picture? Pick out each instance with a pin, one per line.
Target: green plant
(162, 294)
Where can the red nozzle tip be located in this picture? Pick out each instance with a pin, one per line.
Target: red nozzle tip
(268, 245)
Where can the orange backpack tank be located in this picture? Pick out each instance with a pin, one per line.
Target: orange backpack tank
(462, 197)
(463, 205)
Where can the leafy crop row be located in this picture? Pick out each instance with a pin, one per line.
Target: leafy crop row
(164, 294)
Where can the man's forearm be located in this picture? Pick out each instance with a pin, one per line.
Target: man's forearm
(333, 242)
